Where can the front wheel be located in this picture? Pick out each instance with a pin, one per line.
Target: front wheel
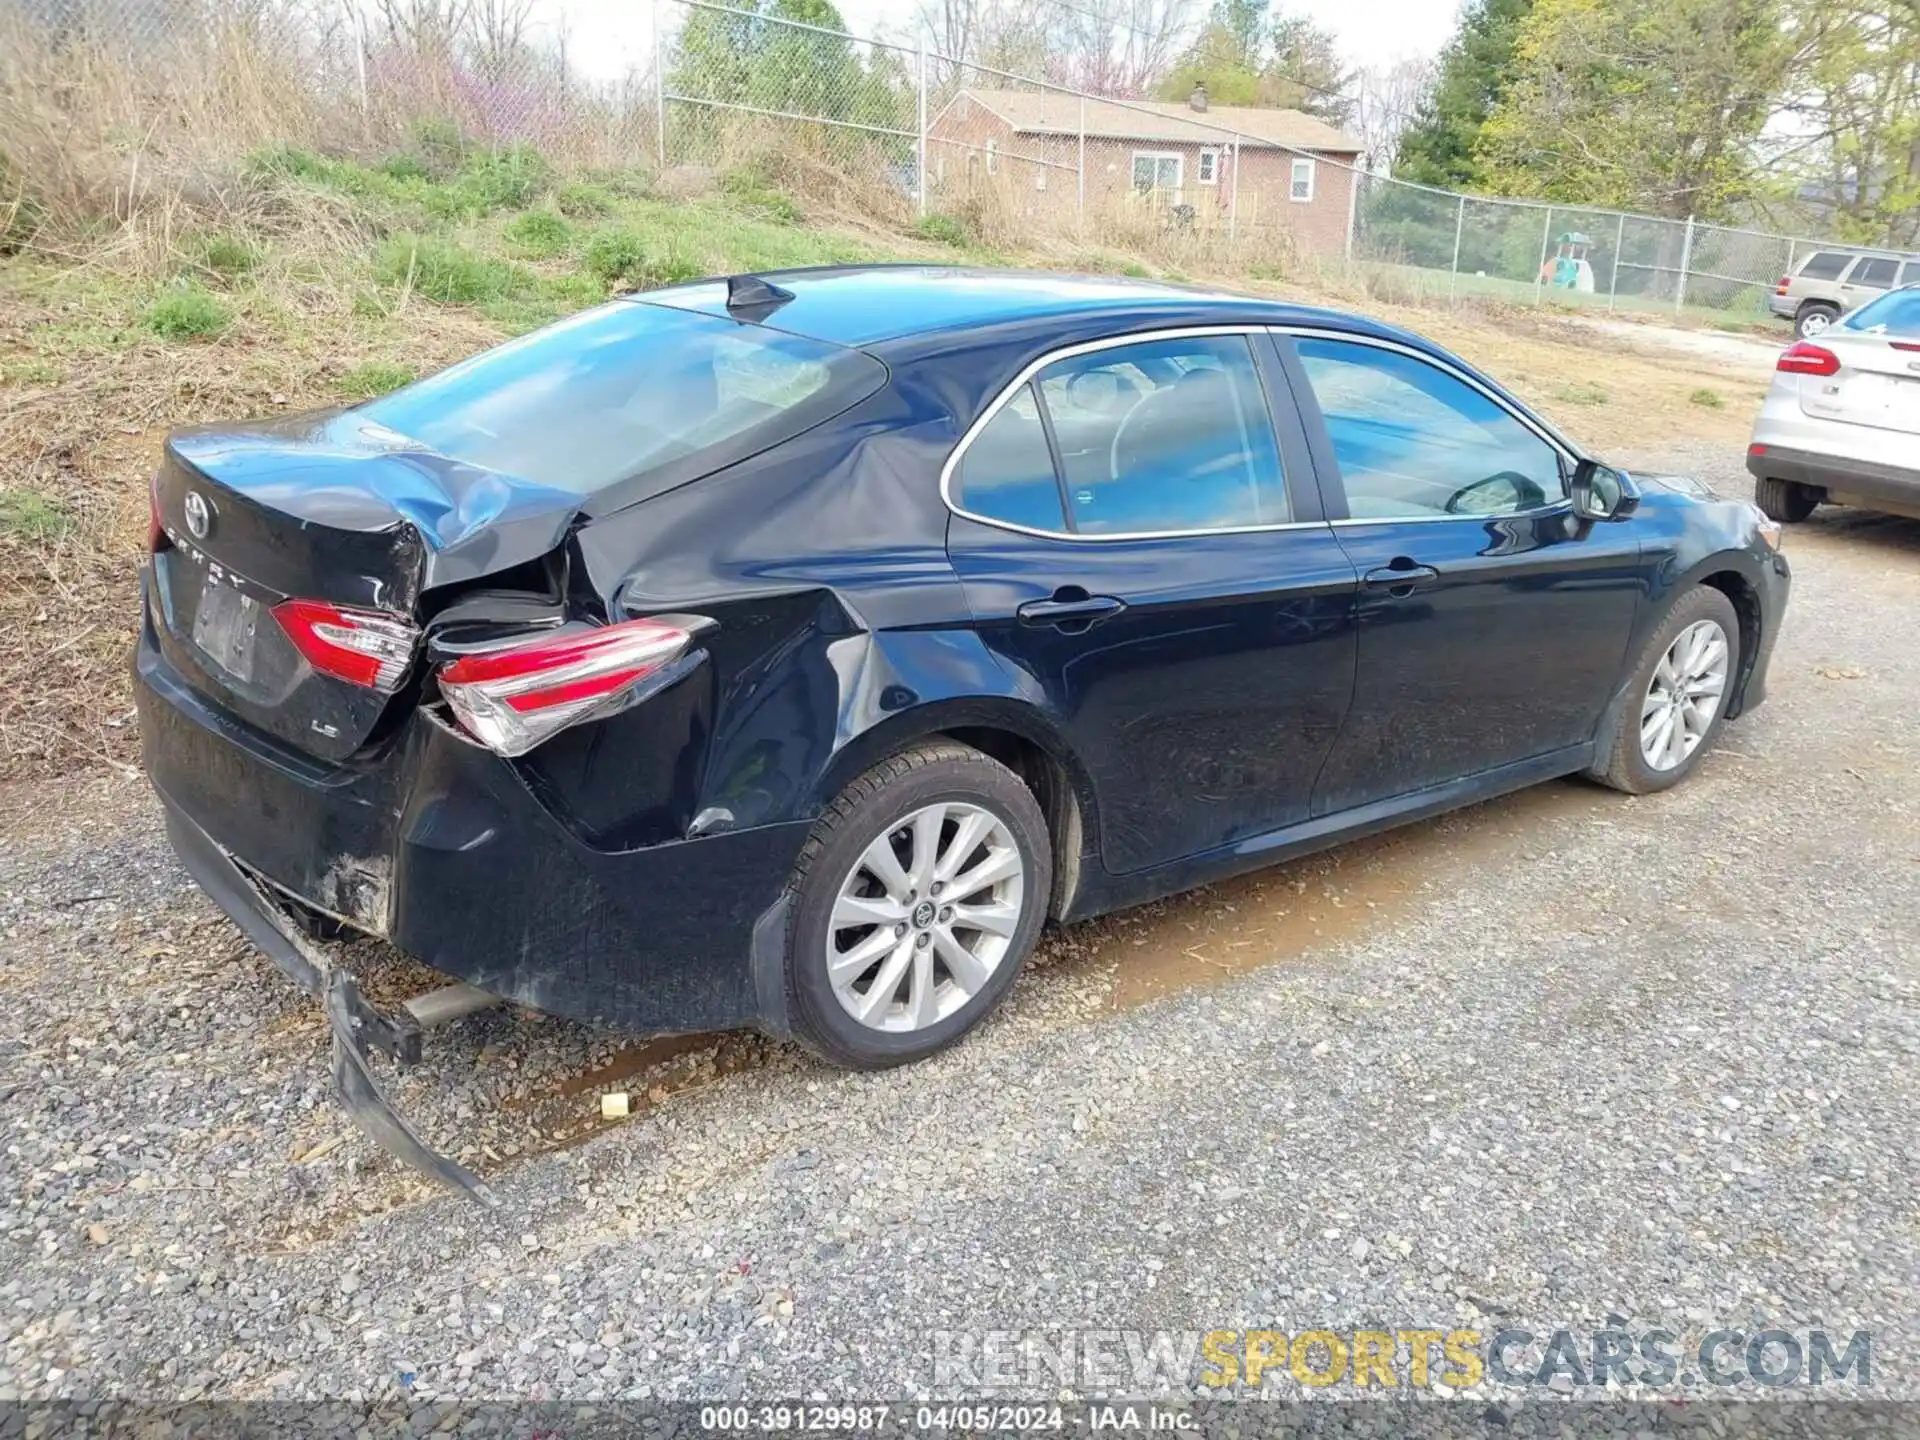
(915, 901)
(1676, 695)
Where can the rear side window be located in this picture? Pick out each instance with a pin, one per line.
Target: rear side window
(1165, 435)
(627, 389)
(1007, 472)
(1875, 270)
(1825, 265)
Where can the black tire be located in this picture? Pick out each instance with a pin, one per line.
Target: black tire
(1624, 767)
(1820, 313)
(868, 808)
(1787, 501)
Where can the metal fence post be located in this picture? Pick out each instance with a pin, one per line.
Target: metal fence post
(920, 164)
(1619, 244)
(1233, 196)
(1540, 274)
(1459, 229)
(1686, 262)
(1080, 167)
(659, 87)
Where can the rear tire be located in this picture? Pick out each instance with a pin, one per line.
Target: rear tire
(1813, 318)
(1671, 681)
(881, 885)
(1787, 501)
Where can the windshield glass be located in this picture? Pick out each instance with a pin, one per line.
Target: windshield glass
(1895, 313)
(627, 388)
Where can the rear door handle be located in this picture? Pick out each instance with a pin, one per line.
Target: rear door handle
(1400, 580)
(1070, 606)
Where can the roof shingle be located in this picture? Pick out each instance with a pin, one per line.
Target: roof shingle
(1050, 112)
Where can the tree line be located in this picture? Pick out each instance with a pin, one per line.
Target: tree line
(1787, 113)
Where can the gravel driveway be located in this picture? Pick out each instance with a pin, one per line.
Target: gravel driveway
(1557, 1058)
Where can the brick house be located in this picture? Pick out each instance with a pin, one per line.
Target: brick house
(1295, 172)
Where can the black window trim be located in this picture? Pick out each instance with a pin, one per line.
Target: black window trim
(1310, 410)
(1253, 333)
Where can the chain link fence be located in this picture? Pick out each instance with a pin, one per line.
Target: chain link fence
(1004, 156)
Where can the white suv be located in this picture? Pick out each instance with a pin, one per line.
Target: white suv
(1828, 283)
(1841, 424)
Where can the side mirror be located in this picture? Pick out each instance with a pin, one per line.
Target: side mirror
(1599, 492)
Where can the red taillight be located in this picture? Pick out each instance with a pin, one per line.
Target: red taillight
(362, 647)
(1904, 345)
(1756, 449)
(512, 699)
(1781, 288)
(1806, 358)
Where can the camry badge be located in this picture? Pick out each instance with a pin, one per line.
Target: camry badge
(199, 514)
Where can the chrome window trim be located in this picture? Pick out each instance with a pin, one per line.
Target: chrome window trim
(1089, 347)
(1556, 442)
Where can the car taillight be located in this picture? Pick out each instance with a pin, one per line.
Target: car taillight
(1804, 358)
(513, 698)
(362, 647)
(1781, 288)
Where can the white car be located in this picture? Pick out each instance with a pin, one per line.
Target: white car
(1841, 425)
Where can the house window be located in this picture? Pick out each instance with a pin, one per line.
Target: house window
(1156, 170)
(993, 157)
(1302, 186)
(1209, 167)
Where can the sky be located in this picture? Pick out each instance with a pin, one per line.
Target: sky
(605, 37)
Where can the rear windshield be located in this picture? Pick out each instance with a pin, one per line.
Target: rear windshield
(1895, 313)
(626, 389)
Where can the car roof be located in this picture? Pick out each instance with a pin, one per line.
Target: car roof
(868, 305)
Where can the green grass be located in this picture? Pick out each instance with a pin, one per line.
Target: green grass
(620, 256)
(31, 516)
(539, 235)
(373, 377)
(581, 200)
(186, 312)
(29, 372)
(1585, 394)
(748, 188)
(1708, 398)
(228, 256)
(943, 230)
(447, 271)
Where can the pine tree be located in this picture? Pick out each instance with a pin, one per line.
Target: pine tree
(1475, 70)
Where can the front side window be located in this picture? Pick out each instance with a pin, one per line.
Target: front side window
(1414, 442)
(1165, 435)
(1007, 472)
(1876, 271)
(1155, 171)
(1302, 185)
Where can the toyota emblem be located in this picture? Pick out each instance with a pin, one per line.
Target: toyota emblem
(199, 514)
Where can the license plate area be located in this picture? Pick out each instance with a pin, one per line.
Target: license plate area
(225, 623)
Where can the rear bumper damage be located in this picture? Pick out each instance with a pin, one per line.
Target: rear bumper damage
(358, 1027)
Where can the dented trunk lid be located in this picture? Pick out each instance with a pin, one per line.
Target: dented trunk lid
(327, 506)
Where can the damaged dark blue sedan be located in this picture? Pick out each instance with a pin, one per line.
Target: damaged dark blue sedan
(785, 650)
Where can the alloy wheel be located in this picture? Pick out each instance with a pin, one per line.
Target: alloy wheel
(1684, 695)
(925, 917)
(1814, 322)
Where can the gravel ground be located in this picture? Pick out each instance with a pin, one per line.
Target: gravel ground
(1560, 1058)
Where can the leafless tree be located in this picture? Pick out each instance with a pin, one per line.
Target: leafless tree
(1387, 99)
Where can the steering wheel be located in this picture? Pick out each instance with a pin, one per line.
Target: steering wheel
(1527, 494)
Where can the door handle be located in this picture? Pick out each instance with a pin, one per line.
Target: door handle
(1400, 581)
(1070, 605)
